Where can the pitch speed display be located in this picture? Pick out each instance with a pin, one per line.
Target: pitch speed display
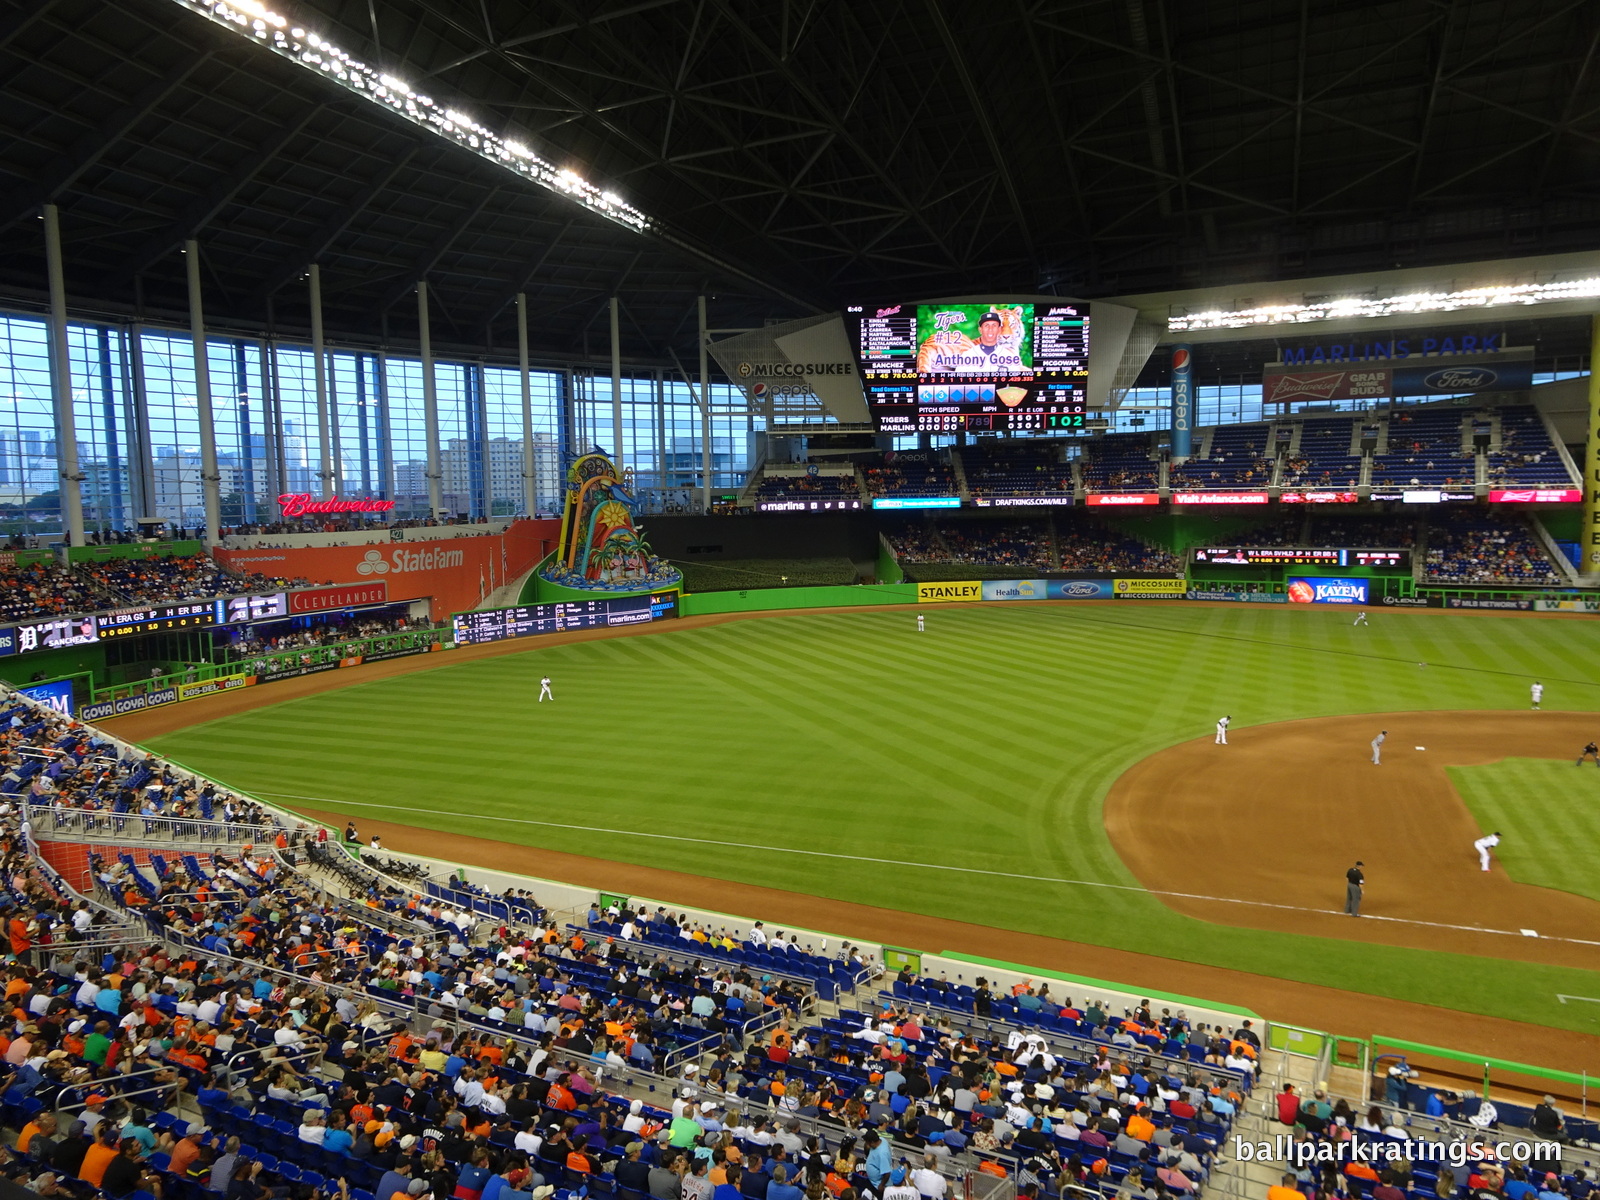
(498, 624)
(990, 366)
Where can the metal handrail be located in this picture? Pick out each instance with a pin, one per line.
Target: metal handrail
(50, 821)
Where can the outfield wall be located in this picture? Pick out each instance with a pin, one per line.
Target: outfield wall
(765, 599)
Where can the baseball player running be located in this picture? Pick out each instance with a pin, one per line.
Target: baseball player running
(1361, 618)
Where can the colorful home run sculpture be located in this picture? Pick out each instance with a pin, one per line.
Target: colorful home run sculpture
(601, 547)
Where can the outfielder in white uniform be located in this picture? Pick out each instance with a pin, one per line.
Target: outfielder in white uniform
(1537, 692)
(1361, 618)
(920, 626)
(544, 691)
(1377, 747)
(1485, 844)
(1222, 731)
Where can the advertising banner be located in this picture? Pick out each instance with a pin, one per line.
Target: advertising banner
(56, 695)
(1535, 495)
(381, 655)
(339, 597)
(455, 572)
(1294, 383)
(1182, 401)
(1219, 497)
(1079, 589)
(916, 502)
(1581, 605)
(1240, 597)
(8, 641)
(1318, 498)
(1411, 602)
(1121, 499)
(1467, 602)
(945, 593)
(296, 672)
(1327, 589)
(207, 687)
(101, 709)
(1151, 589)
(1059, 500)
(1014, 589)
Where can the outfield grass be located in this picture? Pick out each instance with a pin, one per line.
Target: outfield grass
(986, 743)
(1528, 798)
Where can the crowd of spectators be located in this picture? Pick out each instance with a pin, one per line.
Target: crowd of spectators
(42, 590)
(808, 487)
(345, 523)
(1022, 544)
(1526, 455)
(250, 640)
(1090, 548)
(1376, 532)
(1486, 548)
(1238, 457)
(910, 473)
(1120, 463)
(1025, 467)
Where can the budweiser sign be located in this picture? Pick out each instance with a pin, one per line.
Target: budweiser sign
(299, 504)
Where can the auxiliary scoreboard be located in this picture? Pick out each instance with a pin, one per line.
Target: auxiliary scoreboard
(528, 620)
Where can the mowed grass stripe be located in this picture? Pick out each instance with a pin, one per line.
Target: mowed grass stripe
(989, 741)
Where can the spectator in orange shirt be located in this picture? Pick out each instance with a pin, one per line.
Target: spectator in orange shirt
(1286, 1189)
(98, 1157)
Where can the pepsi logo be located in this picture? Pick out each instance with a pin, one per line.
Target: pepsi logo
(1180, 359)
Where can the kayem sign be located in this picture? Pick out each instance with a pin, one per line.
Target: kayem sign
(339, 597)
(1326, 589)
(1535, 495)
(1219, 497)
(1122, 499)
(300, 504)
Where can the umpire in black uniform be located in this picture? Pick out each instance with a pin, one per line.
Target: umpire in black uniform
(1354, 878)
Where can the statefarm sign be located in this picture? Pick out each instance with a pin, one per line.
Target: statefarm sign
(300, 504)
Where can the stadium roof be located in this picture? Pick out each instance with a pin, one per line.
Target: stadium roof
(785, 156)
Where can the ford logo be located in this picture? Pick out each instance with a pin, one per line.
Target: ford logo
(1460, 379)
(1081, 589)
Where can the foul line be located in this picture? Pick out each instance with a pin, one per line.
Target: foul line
(897, 862)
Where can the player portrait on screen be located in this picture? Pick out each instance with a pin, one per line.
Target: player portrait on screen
(974, 339)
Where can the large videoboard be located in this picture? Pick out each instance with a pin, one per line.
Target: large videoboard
(498, 624)
(984, 367)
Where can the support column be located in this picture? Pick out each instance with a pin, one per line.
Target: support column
(1589, 545)
(209, 478)
(69, 480)
(617, 455)
(530, 491)
(320, 374)
(705, 412)
(141, 467)
(430, 403)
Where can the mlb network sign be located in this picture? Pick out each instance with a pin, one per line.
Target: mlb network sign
(1326, 589)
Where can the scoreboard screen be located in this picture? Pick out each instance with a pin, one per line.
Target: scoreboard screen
(239, 610)
(1301, 556)
(498, 624)
(992, 366)
(126, 621)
